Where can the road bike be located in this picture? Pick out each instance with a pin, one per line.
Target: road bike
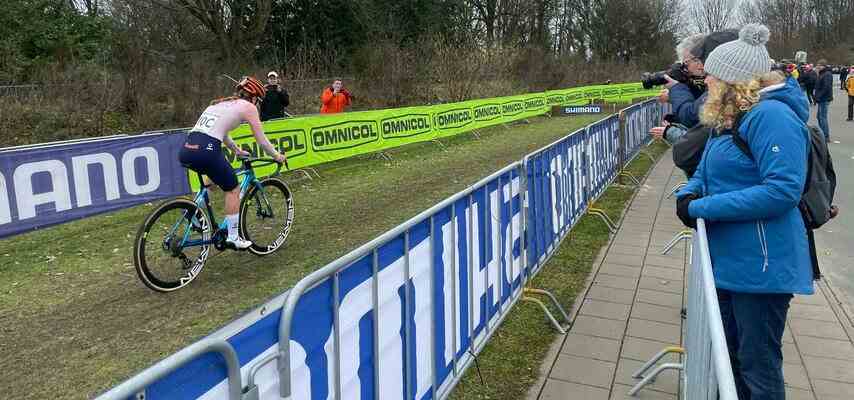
(175, 240)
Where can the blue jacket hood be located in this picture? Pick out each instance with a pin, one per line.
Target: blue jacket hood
(791, 95)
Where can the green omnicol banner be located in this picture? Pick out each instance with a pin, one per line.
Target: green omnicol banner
(318, 139)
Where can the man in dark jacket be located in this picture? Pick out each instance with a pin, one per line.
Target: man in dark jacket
(686, 103)
(808, 78)
(823, 96)
(843, 75)
(276, 99)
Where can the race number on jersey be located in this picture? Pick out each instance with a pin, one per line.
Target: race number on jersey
(206, 122)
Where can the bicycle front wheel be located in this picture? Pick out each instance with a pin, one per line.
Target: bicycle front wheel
(266, 216)
(172, 245)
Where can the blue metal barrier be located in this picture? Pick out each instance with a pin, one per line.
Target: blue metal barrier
(404, 315)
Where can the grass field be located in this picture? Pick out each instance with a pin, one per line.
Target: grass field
(75, 320)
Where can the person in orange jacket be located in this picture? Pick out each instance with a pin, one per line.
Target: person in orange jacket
(849, 84)
(335, 98)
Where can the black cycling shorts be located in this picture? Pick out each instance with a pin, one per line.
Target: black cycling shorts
(203, 154)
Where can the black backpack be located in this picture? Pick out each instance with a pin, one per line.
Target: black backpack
(817, 199)
(688, 150)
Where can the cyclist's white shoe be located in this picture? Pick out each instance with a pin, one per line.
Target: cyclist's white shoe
(239, 243)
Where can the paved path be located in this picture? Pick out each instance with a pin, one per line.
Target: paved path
(835, 241)
(631, 311)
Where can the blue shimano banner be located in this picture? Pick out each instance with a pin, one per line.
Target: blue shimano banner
(47, 185)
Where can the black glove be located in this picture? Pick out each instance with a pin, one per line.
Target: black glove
(670, 118)
(682, 210)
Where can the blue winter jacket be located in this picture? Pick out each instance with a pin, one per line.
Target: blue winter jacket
(757, 238)
(685, 105)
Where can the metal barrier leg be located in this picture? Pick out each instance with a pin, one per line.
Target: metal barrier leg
(651, 377)
(551, 317)
(631, 177)
(439, 143)
(601, 214)
(676, 188)
(557, 305)
(383, 155)
(644, 152)
(647, 365)
(310, 169)
(683, 235)
(304, 172)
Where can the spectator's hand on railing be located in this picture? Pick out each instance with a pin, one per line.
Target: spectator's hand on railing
(682, 210)
(657, 132)
(664, 96)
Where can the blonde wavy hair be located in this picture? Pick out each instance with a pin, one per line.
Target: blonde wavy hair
(726, 100)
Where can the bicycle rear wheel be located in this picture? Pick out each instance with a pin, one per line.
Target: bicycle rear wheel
(172, 245)
(266, 216)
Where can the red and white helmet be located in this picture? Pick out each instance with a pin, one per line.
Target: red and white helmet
(253, 87)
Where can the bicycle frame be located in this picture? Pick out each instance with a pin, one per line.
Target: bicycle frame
(202, 200)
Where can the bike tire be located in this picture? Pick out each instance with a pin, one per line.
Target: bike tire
(267, 233)
(150, 243)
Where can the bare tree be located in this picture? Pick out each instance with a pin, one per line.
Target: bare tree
(711, 15)
(237, 25)
(749, 12)
(88, 7)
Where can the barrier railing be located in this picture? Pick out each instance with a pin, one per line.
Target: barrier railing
(707, 373)
(452, 272)
(405, 315)
(637, 121)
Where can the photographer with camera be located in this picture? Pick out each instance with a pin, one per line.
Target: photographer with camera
(681, 128)
(335, 98)
(684, 82)
(276, 100)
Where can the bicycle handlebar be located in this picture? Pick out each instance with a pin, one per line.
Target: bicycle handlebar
(249, 161)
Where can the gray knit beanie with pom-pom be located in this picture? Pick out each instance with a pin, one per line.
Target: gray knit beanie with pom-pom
(741, 60)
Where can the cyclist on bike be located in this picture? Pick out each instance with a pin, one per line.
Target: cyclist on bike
(202, 151)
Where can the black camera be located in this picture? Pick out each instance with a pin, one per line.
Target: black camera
(677, 72)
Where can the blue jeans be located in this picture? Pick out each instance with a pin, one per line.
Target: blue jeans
(753, 325)
(822, 118)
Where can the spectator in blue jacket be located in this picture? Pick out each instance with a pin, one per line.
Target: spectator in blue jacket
(757, 237)
(823, 96)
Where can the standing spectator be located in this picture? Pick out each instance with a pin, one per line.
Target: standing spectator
(757, 236)
(335, 98)
(849, 85)
(823, 96)
(276, 99)
(808, 78)
(843, 75)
